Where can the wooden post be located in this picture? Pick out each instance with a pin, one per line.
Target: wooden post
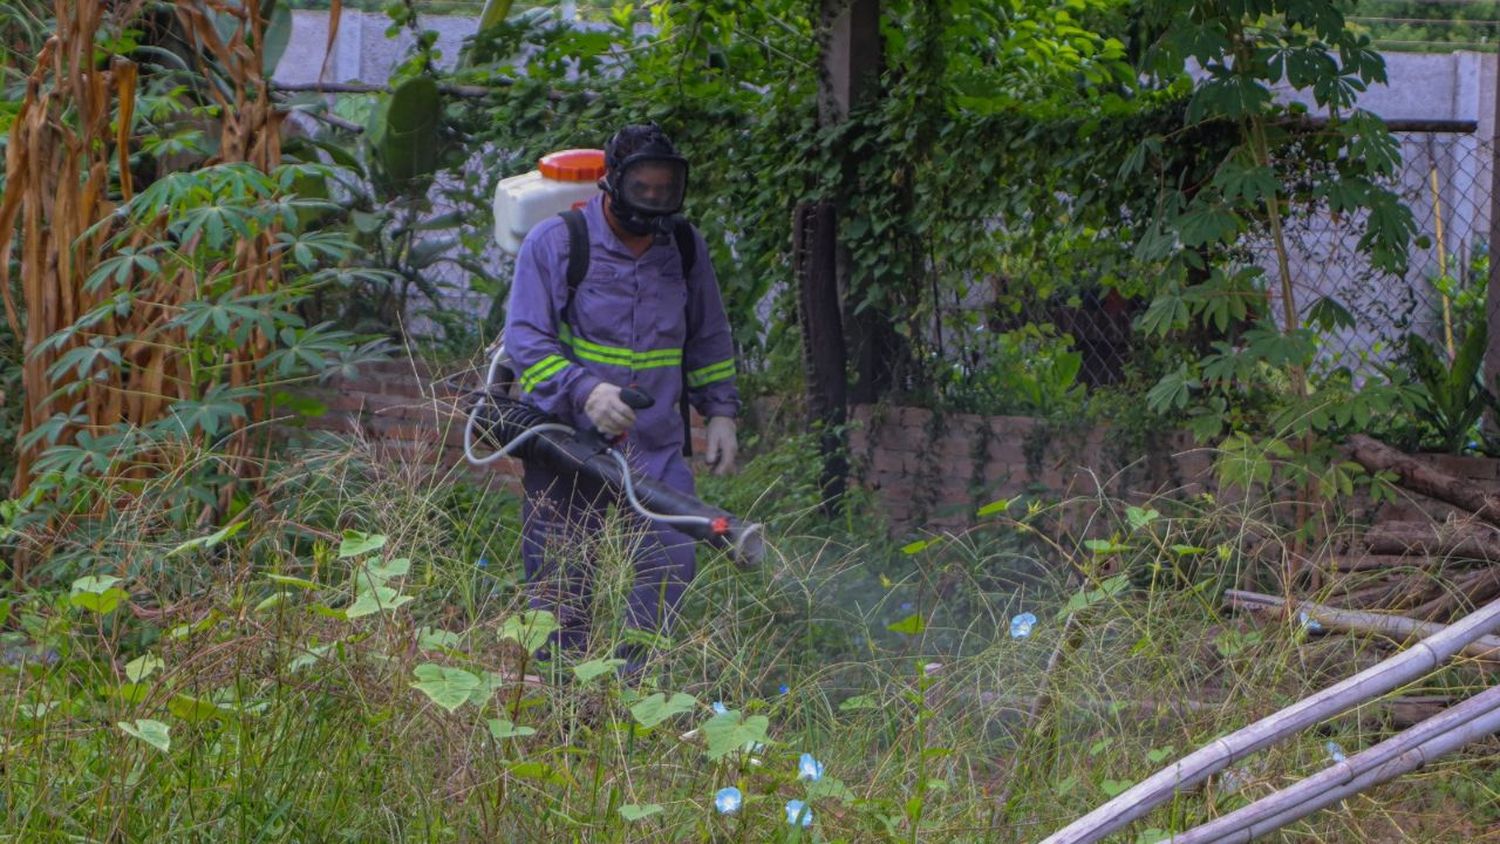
(1492, 293)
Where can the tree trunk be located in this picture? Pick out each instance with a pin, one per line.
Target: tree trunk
(852, 52)
(814, 248)
(1398, 629)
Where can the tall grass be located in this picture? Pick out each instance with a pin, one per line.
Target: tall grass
(229, 697)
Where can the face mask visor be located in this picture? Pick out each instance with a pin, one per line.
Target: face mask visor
(652, 185)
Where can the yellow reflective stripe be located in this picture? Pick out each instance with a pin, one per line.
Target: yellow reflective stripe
(657, 364)
(594, 351)
(541, 371)
(616, 356)
(711, 373)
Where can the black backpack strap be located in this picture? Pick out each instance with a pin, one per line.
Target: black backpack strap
(578, 253)
(686, 247)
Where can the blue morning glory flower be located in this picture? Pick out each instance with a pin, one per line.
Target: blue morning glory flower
(905, 606)
(728, 800)
(785, 688)
(719, 707)
(795, 808)
(1335, 752)
(484, 562)
(1020, 626)
(809, 768)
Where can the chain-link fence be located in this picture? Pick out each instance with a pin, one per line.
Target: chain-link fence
(1446, 180)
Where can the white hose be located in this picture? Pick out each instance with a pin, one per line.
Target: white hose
(529, 433)
(636, 504)
(489, 381)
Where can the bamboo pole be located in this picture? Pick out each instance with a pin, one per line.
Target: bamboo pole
(1303, 798)
(1469, 721)
(1442, 256)
(1399, 669)
(1397, 627)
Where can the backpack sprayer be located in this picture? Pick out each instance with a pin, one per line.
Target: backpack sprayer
(515, 429)
(565, 180)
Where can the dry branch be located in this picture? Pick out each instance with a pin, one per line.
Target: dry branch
(1474, 588)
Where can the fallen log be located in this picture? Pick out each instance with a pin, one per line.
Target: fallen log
(1467, 541)
(1397, 628)
(1359, 597)
(1419, 477)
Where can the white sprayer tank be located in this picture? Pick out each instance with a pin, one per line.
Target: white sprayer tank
(562, 180)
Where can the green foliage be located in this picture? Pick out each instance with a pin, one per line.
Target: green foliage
(403, 132)
(1029, 371)
(1446, 399)
(205, 215)
(224, 698)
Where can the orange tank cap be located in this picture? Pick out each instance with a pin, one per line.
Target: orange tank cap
(573, 165)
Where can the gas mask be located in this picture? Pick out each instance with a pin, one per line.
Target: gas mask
(645, 178)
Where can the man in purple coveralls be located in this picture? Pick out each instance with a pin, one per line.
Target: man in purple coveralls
(634, 319)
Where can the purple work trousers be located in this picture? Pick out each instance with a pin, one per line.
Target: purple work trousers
(562, 518)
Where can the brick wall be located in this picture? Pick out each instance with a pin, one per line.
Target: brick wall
(934, 471)
(406, 415)
(927, 470)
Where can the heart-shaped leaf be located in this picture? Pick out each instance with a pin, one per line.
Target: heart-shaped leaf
(446, 686)
(529, 629)
(859, 702)
(371, 600)
(436, 638)
(385, 571)
(195, 710)
(502, 728)
(1109, 588)
(154, 733)
(632, 812)
(734, 731)
(658, 708)
(586, 671)
(96, 593)
(356, 543)
(142, 667)
(911, 625)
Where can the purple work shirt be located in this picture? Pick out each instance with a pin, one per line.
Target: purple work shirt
(633, 321)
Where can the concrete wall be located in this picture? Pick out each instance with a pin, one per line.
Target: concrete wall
(361, 53)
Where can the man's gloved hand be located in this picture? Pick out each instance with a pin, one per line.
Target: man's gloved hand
(722, 444)
(609, 413)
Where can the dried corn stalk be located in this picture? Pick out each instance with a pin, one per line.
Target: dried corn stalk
(59, 208)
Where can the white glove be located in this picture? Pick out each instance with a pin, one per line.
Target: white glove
(609, 413)
(722, 445)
